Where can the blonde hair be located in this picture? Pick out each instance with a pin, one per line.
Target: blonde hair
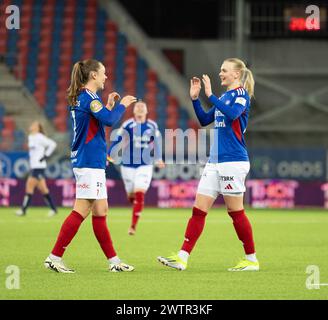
(246, 75)
(79, 77)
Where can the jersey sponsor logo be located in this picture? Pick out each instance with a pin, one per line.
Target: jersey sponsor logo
(241, 101)
(96, 106)
(83, 186)
(220, 124)
(228, 187)
(218, 113)
(226, 178)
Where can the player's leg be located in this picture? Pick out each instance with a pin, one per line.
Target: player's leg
(130, 197)
(138, 205)
(142, 181)
(101, 231)
(232, 180)
(128, 177)
(43, 188)
(207, 192)
(66, 234)
(31, 183)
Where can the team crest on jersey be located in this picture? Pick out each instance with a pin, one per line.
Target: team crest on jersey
(241, 100)
(96, 106)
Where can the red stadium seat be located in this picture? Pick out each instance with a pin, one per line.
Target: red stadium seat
(68, 22)
(151, 75)
(22, 44)
(90, 24)
(111, 36)
(193, 124)
(26, 9)
(47, 21)
(131, 50)
(8, 123)
(25, 21)
(151, 86)
(110, 25)
(172, 100)
(60, 123)
(172, 123)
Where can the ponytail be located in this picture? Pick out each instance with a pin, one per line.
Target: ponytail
(79, 77)
(248, 82)
(246, 75)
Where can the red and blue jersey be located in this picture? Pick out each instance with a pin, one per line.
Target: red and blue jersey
(230, 116)
(140, 143)
(89, 117)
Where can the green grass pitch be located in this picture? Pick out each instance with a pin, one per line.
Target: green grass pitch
(287, 241)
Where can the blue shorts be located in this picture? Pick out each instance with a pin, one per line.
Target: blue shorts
(38, 174)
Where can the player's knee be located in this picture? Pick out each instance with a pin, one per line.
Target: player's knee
(140, 197)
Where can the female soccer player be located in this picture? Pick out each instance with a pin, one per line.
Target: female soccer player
(88, 155)
(228, 164)
(140, 136)
(40, 148)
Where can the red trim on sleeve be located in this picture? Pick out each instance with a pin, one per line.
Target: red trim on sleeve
(92, 129)
(237, 129)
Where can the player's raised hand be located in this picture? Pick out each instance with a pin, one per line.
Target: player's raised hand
(207, 84)
(112, 98)
(128, 100)
(195, 86)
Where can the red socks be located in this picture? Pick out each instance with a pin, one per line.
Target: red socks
(138, 206)
(67, 232)
(194, 229)
(131, 198)
(103, 236)
(243, 229)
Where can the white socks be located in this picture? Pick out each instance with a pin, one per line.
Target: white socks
(184, 255)
(54, 258)
(114, 260)
(251, 257)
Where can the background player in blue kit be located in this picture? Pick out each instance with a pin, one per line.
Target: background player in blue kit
(228, 164)
(139, 138)
(88, 156)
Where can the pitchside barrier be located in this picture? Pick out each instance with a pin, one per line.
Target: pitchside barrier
(279, 178)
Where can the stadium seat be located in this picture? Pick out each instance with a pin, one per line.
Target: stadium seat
(46, 50)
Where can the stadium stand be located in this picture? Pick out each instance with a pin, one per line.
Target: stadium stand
(55, 34)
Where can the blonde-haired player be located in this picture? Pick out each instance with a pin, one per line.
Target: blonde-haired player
(228, 164)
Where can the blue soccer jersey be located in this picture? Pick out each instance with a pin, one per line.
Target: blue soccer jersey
(230, 116)
(140, 143)
(89, 117)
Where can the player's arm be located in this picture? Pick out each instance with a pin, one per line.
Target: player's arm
(110, 117)
(232, 111)
(105, 116)
(205, 118)
(49, 145)
(158, 160)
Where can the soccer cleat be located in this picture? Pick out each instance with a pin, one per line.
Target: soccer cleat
(20, 213)
(52, 213)
(57, 266)
(131, 231)
(246, 265)
(173, 261)
(120, 267)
